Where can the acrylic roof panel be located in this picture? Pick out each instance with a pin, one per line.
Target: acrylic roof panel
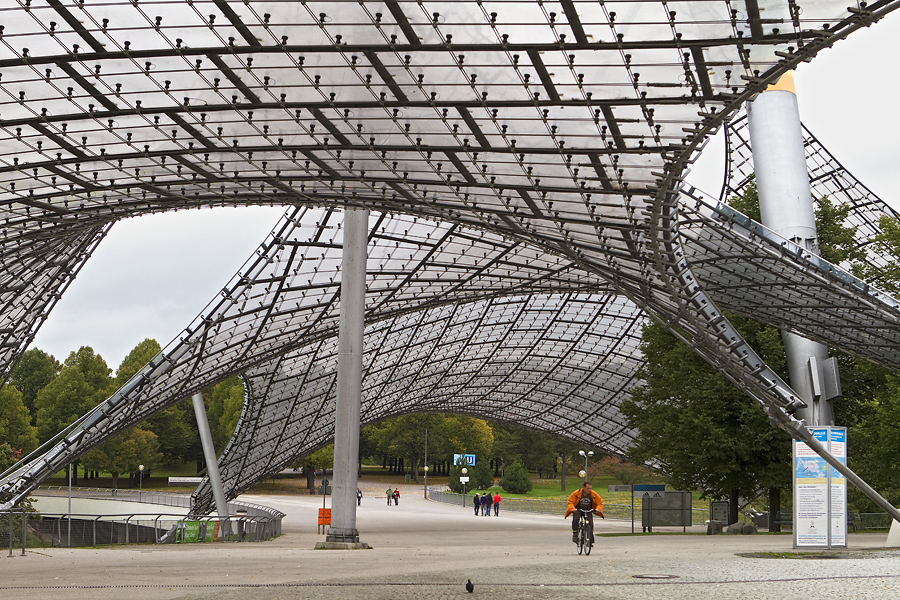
(541, 142)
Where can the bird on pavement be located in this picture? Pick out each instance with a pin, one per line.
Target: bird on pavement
(469, 587)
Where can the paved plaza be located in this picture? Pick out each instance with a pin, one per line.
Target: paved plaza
(424, 549)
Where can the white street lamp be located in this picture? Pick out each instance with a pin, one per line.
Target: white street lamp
(426, 482)
(585, 455)
(141, 482)
(464, 471)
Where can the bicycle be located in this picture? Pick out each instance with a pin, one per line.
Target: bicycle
(585, 536)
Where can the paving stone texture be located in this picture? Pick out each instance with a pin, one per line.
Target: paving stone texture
(424, 549)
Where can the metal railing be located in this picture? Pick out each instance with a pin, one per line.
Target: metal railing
(76, 529)
(181, 500)
(553, 507)
(248, 522)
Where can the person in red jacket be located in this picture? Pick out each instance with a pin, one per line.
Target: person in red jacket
(585, 499)
(497, 505)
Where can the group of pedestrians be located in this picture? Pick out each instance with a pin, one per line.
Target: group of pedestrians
(484, 502)
(392, 495)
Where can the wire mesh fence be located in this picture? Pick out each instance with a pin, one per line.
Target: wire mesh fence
(542, 506)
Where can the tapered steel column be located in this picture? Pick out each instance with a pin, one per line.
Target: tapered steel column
(349, 377)
(786, 207)
(212, 463)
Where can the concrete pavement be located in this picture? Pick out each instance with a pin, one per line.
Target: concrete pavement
(427, 549)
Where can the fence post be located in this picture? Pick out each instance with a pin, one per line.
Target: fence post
(10, 533)
(24, 526)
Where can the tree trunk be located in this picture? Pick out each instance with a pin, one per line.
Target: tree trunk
(733, 505)
(415, 469)
(774, 509)
(562, 480)
(310, 479)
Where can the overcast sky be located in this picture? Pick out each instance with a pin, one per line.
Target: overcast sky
(154, 274)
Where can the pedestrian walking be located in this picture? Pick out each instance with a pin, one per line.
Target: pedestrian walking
(390, 495)
(497, 504)
(485, 500)
(476, 502)
(396, 496)
(358, 497)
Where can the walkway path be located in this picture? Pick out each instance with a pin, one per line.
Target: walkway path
(428, 550)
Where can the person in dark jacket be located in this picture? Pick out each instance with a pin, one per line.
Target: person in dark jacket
(485, 504)
(476, 502)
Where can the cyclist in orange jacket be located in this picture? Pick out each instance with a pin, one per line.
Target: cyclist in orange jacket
(585, 499)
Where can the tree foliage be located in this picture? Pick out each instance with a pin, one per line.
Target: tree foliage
(124, 453)
(404, 436)
(537, 450)
(516, 479)
(482, 475)
(16, 429)
(224, 402)
(82, 383)
(700, 430)
(34, 370)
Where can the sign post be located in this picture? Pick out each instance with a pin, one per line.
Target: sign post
(624, 488)
(645, 491)
(820, 492)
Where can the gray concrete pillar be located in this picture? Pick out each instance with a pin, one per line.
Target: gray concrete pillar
(212, 463)
(349, 377)
(786, 207)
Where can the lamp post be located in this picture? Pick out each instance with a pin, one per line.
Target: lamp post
(426, 482)
(464, 471)
(585, 455)
(140, 482)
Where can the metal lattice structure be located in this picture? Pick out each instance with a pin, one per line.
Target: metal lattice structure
(523, 160)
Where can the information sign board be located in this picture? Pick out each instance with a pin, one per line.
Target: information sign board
(464, 480)
(649, 491)
(820, 492)
(467, 459)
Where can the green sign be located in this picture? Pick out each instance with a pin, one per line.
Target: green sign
(190, 532)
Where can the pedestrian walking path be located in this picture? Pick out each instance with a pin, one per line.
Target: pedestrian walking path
(424, 549)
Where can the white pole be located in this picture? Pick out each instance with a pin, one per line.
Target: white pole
(349, 378)
(786, 207)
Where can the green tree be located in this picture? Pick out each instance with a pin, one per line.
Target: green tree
(702, 431)
(537, 450)
(33, 371)
(139, 356)
(516, 479)
(731, 450)
(884, 275)
(482, 475)
(453, 475)
(82, 383)
(16, 429)
(175, 426)
(224, 402)
(323, 458)
(124, 453)
(404, 436)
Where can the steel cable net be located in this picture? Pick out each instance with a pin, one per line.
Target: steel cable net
(554, 128)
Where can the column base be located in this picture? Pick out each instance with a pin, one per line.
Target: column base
(348, 535)
(342, 546)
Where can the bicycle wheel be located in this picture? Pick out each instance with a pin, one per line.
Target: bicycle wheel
(580, 543)
(588, 534)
